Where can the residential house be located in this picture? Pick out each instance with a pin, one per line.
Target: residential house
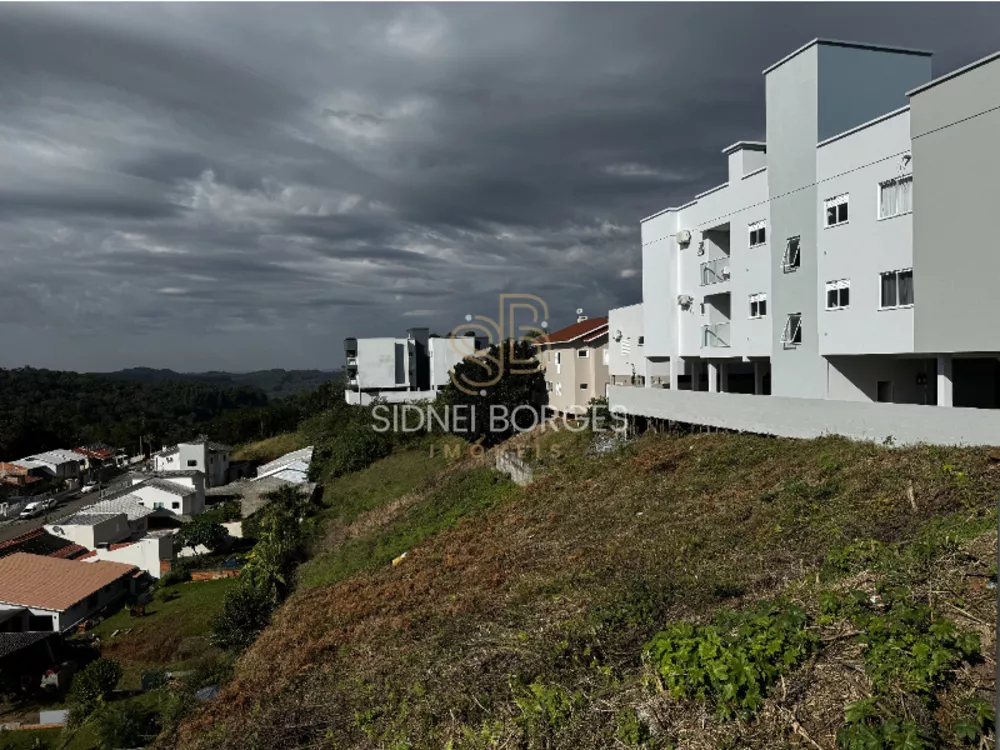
(830, 264)
(627, 360)
(41, 542)
(91, 529)
(169, 493)
(401, 370)
(61, 464)
(153, 553)
(292, 467)
(57, 595)
(575, 359)
(202, 454)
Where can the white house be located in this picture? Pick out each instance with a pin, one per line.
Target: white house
(210, 458)
(152, 553)
(844, 259)
(91, 529)
(59, 594)
(55, 463)
(575, 360)
(167, 493)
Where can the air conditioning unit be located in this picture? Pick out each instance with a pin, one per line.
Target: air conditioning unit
(618, 335)
(685, 300)
(683, 237)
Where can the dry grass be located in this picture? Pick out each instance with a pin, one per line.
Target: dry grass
(267, 450)
(563, 582)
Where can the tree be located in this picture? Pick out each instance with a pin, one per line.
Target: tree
(124, 726)
(246, 611)
(202, 533)
(91, 686)
(496, 411)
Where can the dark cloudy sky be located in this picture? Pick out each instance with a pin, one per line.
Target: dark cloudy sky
(227, 186)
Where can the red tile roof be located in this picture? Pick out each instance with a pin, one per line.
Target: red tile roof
(40, 542)
(590, 326)
(49, 583)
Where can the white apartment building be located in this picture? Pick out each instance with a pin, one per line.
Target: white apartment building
(847, 257)
(627, 360)
(199, 455)
(402, 370)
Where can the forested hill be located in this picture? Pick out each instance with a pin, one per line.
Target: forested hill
(45, 409)
(274, 383)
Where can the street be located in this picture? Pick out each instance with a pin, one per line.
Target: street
(9, 530)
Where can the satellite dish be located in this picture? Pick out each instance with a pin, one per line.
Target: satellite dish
(579, 311)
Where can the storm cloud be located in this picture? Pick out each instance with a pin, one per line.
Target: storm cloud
(226, 186)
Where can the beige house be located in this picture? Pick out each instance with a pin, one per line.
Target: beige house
(576, 365)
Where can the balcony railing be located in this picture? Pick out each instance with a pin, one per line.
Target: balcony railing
(715, 336)
(714, 271)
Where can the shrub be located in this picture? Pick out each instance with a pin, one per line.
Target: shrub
(355, 446)
(865, 729)
(246, 611)
(121, 726)
(734, 661)
(202, 533)
(173, 577)
(91, 686)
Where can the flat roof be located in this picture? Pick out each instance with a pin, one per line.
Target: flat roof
(953, 74)
(745, 146)
(855, 45)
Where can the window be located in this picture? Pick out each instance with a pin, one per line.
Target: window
(583, 353)
(897, 289)
(883, 391)
(758, 233)
(895, 197)
(584, 386)
(758, 305)
(836, 210)
(838, 294)
(170, 459)
(792, 335)
(606, 356)
(558, 358)
(793, 255)
(157, 506)
(192, 462)
(175, 506)
(642, 340)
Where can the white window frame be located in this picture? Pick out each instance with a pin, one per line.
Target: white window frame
(836, 202)
(756, 227)
(839, 285)
(757, 299)
(582, 353)
(786, 261)
(896, 274)
(793, 326)
(606, 356)
(887, 183)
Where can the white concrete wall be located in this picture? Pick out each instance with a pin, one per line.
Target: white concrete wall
(444, 354)
(114, 528)
(188, 505)
(625, 357)
(146, 554)
(904, 424)
(866, 246)
(377, 363)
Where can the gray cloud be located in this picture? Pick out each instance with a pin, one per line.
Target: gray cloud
(206, 186)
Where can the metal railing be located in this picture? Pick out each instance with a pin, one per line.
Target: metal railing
(714, 271)
(715, 336)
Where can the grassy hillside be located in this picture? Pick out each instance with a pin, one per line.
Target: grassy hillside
(708, 591)
(264, 451)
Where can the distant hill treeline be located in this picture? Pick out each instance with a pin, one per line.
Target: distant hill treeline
(45, 409)
(274, 383)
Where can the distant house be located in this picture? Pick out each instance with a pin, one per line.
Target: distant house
(292, 467)
(91, 529)
(153, 553)
(41, 542)
(22, 473)
(57, 595)
(576, 365)
(57, 463)
(96, 456)
(171, 493)
(210, 458)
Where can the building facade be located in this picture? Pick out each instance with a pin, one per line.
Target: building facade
(844, 257)
(575, 360)
(200, 455)
(627, 360)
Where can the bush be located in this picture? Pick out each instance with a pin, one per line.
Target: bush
(245, 613)
(734, 661)
(118, 727)
(173, 577)
(354, 447)
(91, 686)
(202, 533)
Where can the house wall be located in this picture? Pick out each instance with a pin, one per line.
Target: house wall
(625, 357)
(382, 363)
(63, 621)
(444, 354)
(659, 283)
(573, 372)
(904, 424)
(146, 554)
(955, 263)
(866, 246)
(154, 497)
(857, 378)
(114, 528)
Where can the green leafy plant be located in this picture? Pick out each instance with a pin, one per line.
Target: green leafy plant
(866, 729)
(91, 687)
(978, 722)
(544, 708)
(202, 533)
(245, 613)
(905, 649)
(733, 661)
(630, 730)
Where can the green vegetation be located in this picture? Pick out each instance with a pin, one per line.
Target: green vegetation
(264, 451)
(696, 591)
(202, 532)
(91, 688)
(274, 383)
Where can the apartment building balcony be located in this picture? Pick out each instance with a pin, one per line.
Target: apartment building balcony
(715, 271)
(715, 336)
